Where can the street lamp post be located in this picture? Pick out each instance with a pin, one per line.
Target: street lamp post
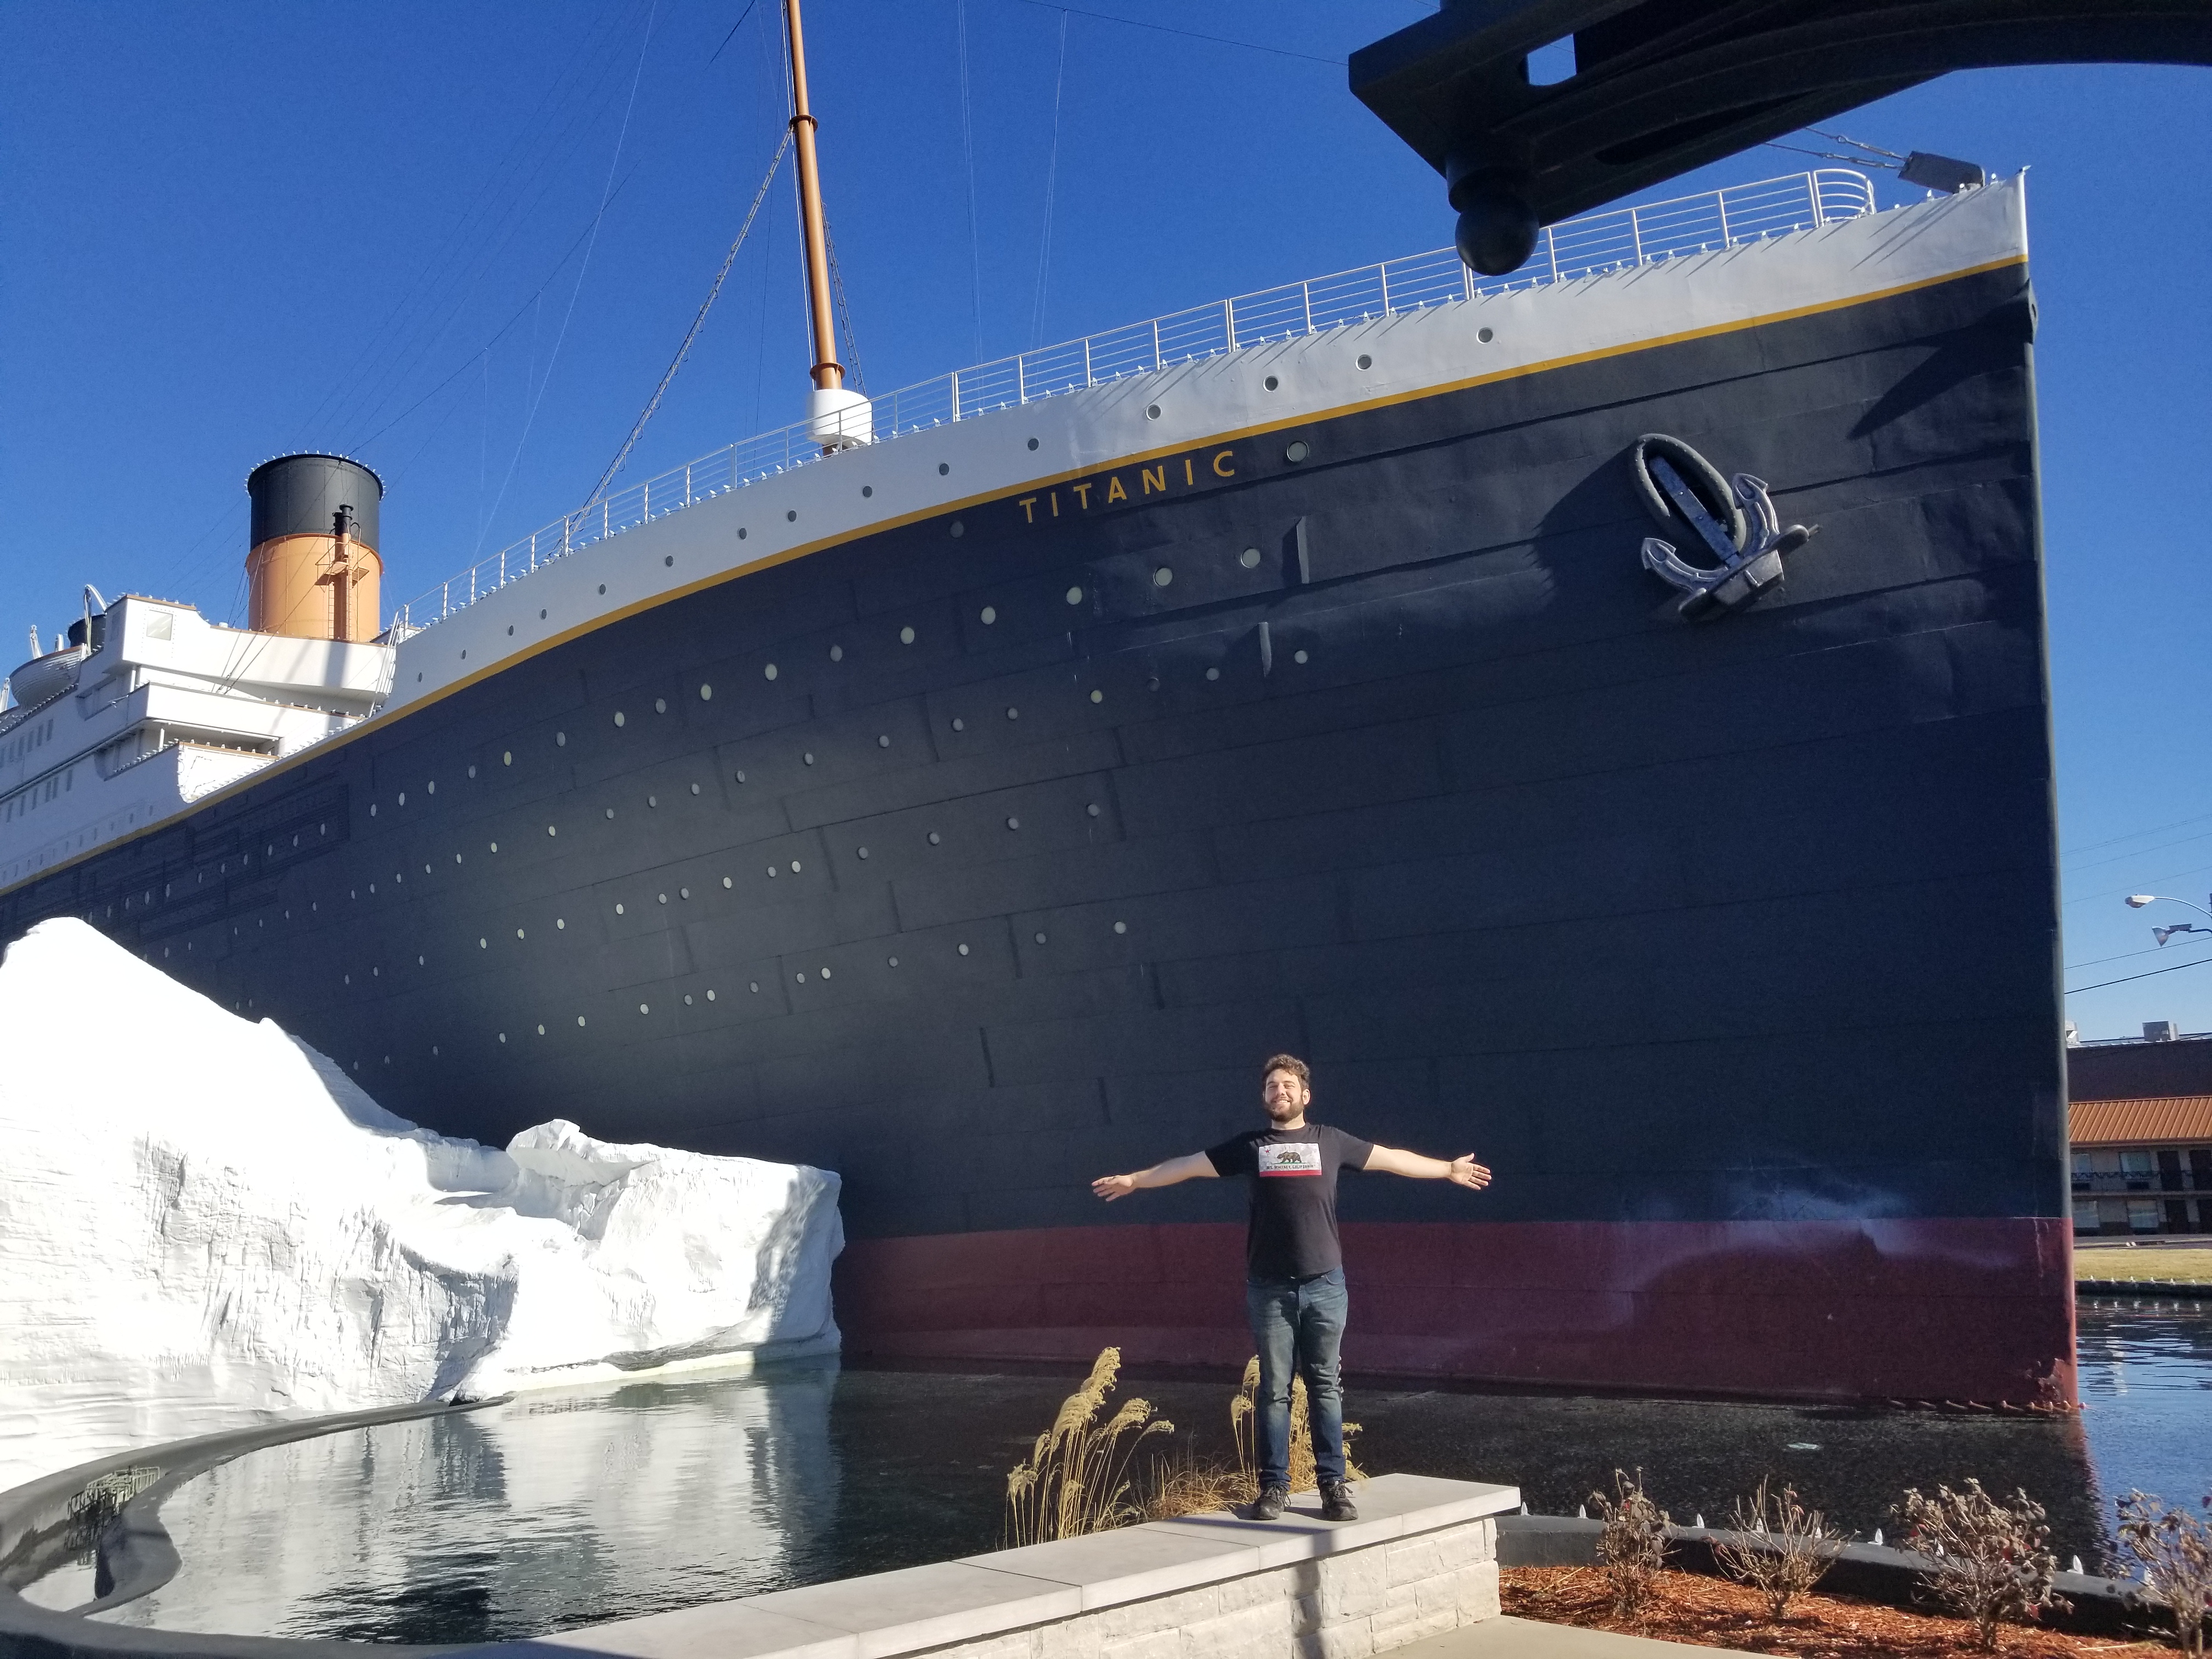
(2136, 901)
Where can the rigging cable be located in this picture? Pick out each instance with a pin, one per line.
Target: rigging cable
(1051, 178)
(606, 193)
(1187, 34)
(968, 147)
(851, 360)
(652, 403)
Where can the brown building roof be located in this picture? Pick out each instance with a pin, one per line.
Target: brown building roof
(2137, 1071)
(2184, 1119)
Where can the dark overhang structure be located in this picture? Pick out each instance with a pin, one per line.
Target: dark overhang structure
(1659, 87)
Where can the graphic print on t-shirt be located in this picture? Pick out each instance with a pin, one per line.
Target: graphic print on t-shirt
(1290, 1158)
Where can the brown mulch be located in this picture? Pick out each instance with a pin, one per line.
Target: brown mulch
(1717, 1612)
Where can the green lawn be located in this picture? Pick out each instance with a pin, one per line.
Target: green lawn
(2094, 1262)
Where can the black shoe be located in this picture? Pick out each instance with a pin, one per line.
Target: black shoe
(1336, 1502)
(1269, 1504)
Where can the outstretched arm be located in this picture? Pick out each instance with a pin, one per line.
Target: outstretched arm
(1462, 1172)
(1196, 1167)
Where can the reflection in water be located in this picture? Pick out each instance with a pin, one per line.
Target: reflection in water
(556, 1511)
(551, 1511)
(2146, 1397)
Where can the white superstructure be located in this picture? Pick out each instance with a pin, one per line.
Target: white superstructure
(159, 708)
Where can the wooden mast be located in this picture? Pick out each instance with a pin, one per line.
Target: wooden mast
(828, 372)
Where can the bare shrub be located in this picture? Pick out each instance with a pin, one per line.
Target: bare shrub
(1244, 1425)
(2174, 1549)
(1782, 1550)
(1631, 1545)
(1075, 1479)
(1989, 1561)
(1181, 1485)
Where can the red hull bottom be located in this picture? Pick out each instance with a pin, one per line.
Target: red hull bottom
(1976, 1310)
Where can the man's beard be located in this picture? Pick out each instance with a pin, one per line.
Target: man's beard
(1280, 1110)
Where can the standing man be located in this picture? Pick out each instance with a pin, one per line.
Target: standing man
(1294, 1293)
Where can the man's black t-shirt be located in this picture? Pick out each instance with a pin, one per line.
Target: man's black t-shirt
(1293, 1231)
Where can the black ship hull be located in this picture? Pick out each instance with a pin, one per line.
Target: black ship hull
(1731, 947)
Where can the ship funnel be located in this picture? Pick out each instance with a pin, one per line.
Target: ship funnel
(313, 568)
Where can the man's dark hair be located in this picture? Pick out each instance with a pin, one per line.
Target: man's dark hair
(1291, 1063)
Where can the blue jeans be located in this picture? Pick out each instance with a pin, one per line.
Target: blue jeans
(1301, 1322)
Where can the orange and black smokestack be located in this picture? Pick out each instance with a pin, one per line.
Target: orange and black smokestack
(313, 570)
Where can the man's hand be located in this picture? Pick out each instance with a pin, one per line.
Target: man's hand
(1466, 1172)
(1110, 1188)
(1196, 1167)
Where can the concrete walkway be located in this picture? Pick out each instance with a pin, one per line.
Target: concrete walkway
(1508, 1638)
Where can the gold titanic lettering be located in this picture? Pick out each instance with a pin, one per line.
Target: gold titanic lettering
(1156, 478)
(1114, 491)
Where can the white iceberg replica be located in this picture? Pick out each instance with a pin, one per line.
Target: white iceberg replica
(204, 1225)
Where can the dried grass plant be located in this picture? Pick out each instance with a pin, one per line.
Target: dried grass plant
(1989, 1561)
(2174, 1550)
(1631, 1545)
(1076, 1479)
(1781, 1548)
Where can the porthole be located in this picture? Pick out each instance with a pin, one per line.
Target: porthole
(1366, 361)
(510, 628)
(611, 812)
(906, 636)
(882, 740)
(1298, 452)
(959, 724)
(944, 469)
(771, 872)
(660, 705)
(483, 944)
(705, 694)
(741, 532)
(866, 490)
(653, 801)
(990, 615)
(560, 739)
(579, 1020)
(825, 973)
(1033, 443)
(1075, 596)
(769, 673)
(792, 517)
(695, 788)
(1485, 337)
(506, 757)
(431, 787)
(619, 909)
(1013, 823)
(934, 838)
(864, 852)
(958, 528)
(1121, 927)
(495, 847)
(1249, 558)
(808, 757)
(372, 809)
(663, 898)
(739, 774)
(644, 1008)
(687, 999)
(541, 1031)
(836, 653)
(1152, 412)
(1098, 695)
(619, 720)
(710, 996)
(800, 976)
(726, 881)
(561, 923)
(963, 949)
(794, 866)
(670, 560)
(517, 932)
(422, 962)
(1298, 657)
(1163, 576)
(755, 985)
(1092, 809)
(502, 1036)
(603, 587)
(1040, 938)
(1213, 673)
(1272, 383)
(551, 830)
(892, 960)
(472, 772)
(541, 616)
(465, 657)
(683, 892)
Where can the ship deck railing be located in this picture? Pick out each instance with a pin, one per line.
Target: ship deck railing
(1574, 249)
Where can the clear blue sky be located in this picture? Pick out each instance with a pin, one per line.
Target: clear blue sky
(234, 231)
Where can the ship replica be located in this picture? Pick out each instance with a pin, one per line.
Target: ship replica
(1599, 716)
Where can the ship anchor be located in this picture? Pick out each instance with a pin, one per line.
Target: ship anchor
(1736, 522)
